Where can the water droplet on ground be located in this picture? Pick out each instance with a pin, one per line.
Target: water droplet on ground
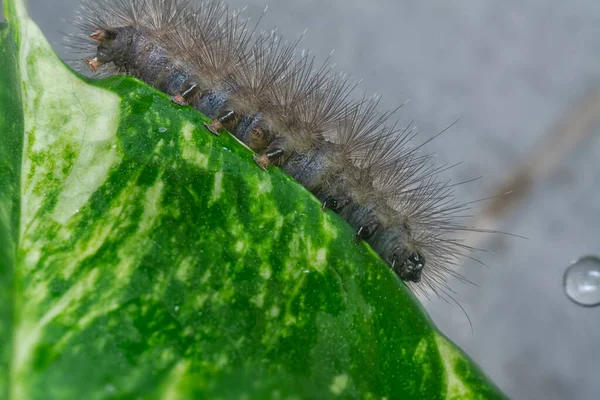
(582, 281)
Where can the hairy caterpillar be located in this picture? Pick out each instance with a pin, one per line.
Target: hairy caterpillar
(295, 114)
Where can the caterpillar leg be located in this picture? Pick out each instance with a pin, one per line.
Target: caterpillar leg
(334, 204)
(267, 158)
(364, 232)
(217, 124)
(92, 63)
(189, 90)
(274, 153)
(102, 36)
(98, 35)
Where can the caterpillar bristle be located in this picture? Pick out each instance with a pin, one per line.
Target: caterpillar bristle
(295, 113)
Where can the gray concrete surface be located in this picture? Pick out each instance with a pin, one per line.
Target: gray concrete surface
(509, 69)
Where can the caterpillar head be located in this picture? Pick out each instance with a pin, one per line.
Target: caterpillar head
(397, 251)
(408, 266)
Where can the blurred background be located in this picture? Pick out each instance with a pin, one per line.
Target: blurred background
(523, 77)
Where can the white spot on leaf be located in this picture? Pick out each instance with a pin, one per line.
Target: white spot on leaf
(218, 187)
(339, 384)
(455, 386)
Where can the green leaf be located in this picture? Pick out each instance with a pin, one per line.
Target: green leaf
(143, 257)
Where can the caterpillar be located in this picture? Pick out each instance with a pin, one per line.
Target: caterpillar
(294, 113)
